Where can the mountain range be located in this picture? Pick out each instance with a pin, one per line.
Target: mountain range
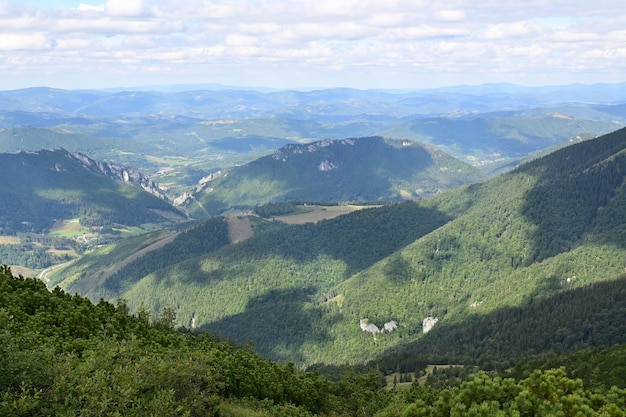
(389, 279)
(73, 185)
(177, 138)
(490, 223)
(262, 253)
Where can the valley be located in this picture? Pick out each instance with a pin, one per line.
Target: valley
(299, 291)
(480, 233)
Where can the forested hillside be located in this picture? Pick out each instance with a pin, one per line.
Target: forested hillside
(571, 320)
(361, 169)
(40, 188)
(110, 271)
(63, 355)
(320, 293)
(308, 258)
(551, 225)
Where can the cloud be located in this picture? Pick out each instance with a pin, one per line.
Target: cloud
(125, 8)
(449, 15)
(25, 42)
(503, 31)
(107, 26)
(278, 38)
(90, 8)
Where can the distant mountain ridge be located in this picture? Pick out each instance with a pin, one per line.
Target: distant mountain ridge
(357, 169)
(232, 101)
(180, 136)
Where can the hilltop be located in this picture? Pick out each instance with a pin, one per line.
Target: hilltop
(358, 170)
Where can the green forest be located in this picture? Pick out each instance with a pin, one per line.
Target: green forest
(62, 355)
(41, 187)
(509, 250)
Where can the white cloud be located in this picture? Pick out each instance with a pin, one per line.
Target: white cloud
(25, 42)
(576, 37)
(90, 8)
(315, 38)
(450, 15)
(503, 31)
(107, 26)
(240, 40)
(125, 8)
(422, 32)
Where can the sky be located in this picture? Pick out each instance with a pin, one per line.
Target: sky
(298, 44)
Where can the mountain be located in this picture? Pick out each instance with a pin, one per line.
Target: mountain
(362, 169)
(553, 224)
(247, 103)
(40, 188)
(490, 139)
(320, 293)
(182, 136)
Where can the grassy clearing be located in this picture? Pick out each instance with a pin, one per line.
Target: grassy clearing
(62, 252)
(313, 214)
(72, 228)
(129, 231)
(169, 160)
(67, 228)
(239, 229)
(22, 270)
(9, 240)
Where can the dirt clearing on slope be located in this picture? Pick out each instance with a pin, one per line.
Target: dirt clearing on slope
(239, 229)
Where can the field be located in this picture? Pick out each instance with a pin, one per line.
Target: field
(67, 228)
(21, 270)
(313, 214)
(9, 240)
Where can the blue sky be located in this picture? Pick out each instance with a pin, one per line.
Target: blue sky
(310, 43)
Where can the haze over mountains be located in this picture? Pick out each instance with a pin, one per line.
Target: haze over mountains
(191, 133)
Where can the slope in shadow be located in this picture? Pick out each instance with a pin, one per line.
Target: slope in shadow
(278, 323)
(593, 315)
(580, 192)
(204, 238)
(359, 239)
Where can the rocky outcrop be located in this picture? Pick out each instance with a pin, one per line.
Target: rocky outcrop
(122, 173)
(388, 327)
(428, 323)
